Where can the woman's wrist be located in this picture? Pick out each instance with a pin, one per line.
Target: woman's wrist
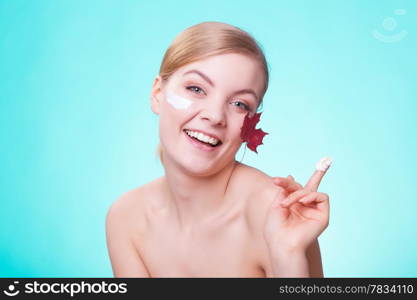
(289, 262)
(278, 246)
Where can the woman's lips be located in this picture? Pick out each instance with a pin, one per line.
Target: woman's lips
(205, 133)
(200, 145)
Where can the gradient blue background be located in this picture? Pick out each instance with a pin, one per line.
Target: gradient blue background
(77, 131)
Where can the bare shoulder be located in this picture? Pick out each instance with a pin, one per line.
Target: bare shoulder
(260, 191)
(126, 221)
(125, 209)
(131, 207)
(259, 188)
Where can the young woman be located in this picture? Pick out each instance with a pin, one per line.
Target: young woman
(209, 215)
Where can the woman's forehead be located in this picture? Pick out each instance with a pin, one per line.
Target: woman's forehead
(226, 70)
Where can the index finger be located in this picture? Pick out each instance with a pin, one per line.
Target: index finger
(321, 168)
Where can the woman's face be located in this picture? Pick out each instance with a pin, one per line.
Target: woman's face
(210, 97)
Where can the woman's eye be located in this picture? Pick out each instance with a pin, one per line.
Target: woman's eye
(241, 105)
(198, 90)
(195, 89)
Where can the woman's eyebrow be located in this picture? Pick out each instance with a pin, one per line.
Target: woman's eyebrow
(205, 77)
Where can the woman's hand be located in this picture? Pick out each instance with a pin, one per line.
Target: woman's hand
(294, 223)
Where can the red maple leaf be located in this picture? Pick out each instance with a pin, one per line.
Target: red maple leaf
(253, 137)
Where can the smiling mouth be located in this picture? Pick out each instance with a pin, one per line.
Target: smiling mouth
(204, 140)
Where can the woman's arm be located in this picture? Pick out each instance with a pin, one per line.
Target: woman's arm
(125, 260)
(293, 263)
(288, 263)
(314, 260)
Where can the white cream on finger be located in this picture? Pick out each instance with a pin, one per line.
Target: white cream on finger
(324, 164)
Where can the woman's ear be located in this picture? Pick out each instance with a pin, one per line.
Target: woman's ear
(156, 95)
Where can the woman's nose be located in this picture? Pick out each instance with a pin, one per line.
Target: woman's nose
(214, 112)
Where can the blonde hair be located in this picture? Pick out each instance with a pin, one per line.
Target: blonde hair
(209, 39)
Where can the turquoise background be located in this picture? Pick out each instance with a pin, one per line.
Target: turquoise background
(77, 130)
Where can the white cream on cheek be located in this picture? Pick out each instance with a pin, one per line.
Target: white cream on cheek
(324, 164)
(178, 102)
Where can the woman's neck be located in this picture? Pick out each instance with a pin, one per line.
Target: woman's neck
(194, 200)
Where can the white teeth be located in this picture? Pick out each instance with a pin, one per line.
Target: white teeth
(202, 137)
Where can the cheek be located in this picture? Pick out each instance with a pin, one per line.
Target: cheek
(171, 121)
(176, 107)
(178, 102)
(237, 126)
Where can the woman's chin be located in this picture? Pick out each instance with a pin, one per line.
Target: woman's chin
(200, 168)
(196, 163)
